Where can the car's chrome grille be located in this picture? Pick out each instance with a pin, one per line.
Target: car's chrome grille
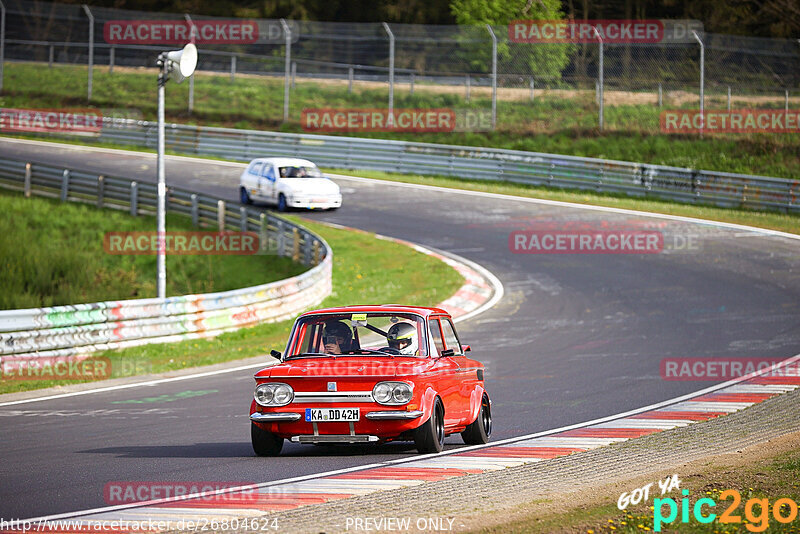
(332, 396)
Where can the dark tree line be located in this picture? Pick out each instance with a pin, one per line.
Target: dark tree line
(764, 18)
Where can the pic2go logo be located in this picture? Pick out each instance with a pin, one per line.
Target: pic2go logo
(756, 522)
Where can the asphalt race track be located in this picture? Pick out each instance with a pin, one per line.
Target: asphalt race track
(576, 337)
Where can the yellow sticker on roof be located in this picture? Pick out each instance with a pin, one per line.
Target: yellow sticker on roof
(358, 317)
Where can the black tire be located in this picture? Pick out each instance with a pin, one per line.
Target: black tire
(265, 443)
(430, 436)
(244, 196)
(479, 431)
(282, 206)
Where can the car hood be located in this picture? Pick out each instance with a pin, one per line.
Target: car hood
(311, 186)
(359, 366)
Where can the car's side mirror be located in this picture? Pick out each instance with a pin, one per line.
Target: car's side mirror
(275, 354)
(466, 348)
(447, 352)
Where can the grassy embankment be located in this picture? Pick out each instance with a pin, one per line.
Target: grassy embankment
(53, 254)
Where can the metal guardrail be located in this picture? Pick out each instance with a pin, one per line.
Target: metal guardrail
(82, 328)
(532, 168)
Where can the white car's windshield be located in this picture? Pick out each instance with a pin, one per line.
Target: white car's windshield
(300, 172)
(367, 334)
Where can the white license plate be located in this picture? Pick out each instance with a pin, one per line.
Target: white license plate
(324, 415)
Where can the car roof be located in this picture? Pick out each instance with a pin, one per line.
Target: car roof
(287, 162)
(368, 308)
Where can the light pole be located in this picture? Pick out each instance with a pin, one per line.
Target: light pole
(177, 64)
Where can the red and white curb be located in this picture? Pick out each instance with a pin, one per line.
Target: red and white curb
(263, 499)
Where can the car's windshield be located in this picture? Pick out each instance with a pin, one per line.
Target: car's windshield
(300, 171)
(361, 334)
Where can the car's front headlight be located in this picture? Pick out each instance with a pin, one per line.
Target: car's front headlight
(392, 393)
(273, 394)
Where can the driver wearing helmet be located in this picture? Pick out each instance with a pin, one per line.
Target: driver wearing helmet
(336, 337)
(403, 338)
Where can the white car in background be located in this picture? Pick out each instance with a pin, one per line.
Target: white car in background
(288, 183)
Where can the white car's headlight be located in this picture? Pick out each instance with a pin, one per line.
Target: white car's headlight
(273, 394)
(392, 393)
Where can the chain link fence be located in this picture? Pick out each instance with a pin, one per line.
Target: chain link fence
(546, 85)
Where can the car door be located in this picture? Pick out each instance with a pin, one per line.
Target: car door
(448, 383)
(267, 182)
(465, 375)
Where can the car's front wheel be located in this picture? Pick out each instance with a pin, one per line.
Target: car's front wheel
(430, 436)
(282, 205)
(479, 431)
(244, 196)
(265, 443)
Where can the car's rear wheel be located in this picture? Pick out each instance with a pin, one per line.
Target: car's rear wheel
(282, 206)
(265, 443)
(430, 436)
(479, 431)
(244, 196)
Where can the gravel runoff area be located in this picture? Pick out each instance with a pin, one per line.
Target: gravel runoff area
(493, 498)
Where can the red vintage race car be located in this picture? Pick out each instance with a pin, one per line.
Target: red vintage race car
(362, 374)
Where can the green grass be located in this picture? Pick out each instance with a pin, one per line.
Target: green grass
(52, 254)
(550, 124)
(366, 270)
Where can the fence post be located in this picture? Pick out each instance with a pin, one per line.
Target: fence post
(288, 34)
(195, 210)
(295, 245)
(263, 235)
(702, 78)
(533, 86)
(729, 98)
(660, 95)
(101, 190)
(111, 60)
(51, 56)
(315, 253)
(494, 76)
(467, 89)
(233, 68)
(350, 80)
(786, 101)
(390, 118)
(412, 84)
(64, 185)
(599, 80)
(281, 238)
(307, 251)
(27, 183)
(242, 218)
(134, 199)
(294, 72)
(2, 41)
(91, 48)
(221, 215)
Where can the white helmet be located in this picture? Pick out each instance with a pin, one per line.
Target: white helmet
(403, 337)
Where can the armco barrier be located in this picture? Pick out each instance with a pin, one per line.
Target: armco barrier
(635, 179)
(82, 328)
